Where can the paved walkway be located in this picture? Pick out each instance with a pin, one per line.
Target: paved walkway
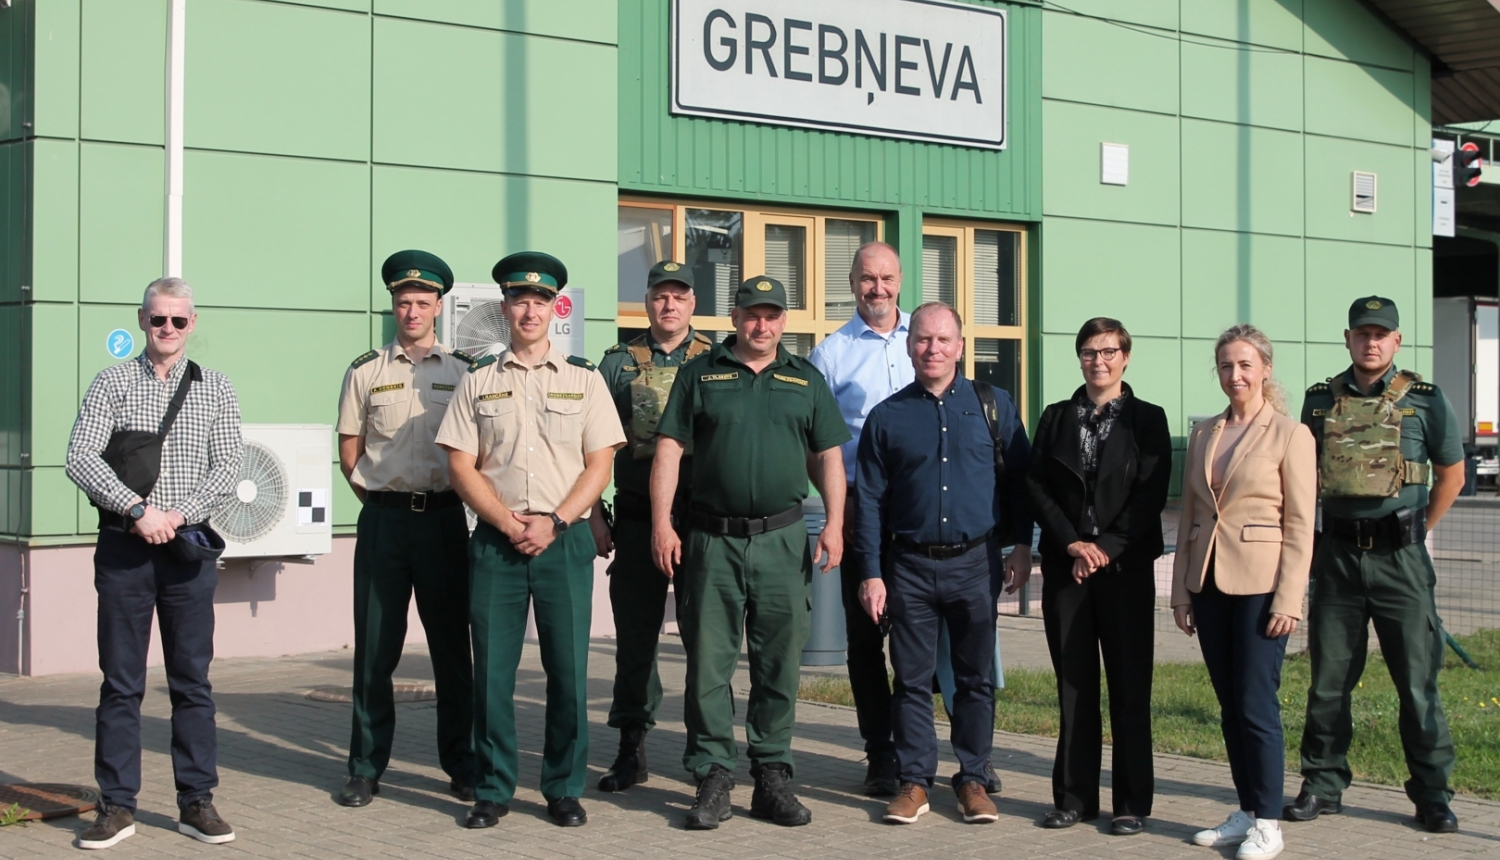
(282, 756)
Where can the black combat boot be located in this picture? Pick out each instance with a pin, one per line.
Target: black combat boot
(630, 765)
(712, 803)
(773, 798)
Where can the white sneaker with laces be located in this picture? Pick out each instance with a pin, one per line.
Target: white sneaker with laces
(1232, 832)
(1262, 842)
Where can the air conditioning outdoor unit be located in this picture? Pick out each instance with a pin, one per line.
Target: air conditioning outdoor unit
(282, 501)
(473, 322)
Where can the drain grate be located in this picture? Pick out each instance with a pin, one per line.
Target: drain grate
(402, 693)
(48, 799)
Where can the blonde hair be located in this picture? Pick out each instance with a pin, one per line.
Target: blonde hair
(176, 288)
(1273, 390)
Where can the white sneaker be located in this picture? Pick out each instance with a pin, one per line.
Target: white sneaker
(1262, 842)
(1232, 832)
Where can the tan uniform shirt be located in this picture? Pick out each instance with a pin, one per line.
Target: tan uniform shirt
(397, 406)
(530, 427)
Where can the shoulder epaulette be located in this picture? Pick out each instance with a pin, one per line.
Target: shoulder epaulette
(619, 347)
(483, 362)
(366, 358)
(703, 338)
(1423, 388)
(1318, 388)
(462, 356)
(581, 362)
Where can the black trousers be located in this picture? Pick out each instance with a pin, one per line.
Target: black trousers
(1111, 612)
(1245, 667)
(920, 591)
(866, 661)
(135, 580)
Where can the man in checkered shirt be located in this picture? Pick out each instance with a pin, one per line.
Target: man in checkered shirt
(137, 572)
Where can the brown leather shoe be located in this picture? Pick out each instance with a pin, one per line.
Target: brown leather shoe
(909, 805)
(975, 804)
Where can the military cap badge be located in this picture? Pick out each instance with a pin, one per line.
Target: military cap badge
(1373, 304)
(764, 286)
(670, 267)
(534, 277)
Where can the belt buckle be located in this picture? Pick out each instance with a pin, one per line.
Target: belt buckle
(415, 497)
(1361, 539)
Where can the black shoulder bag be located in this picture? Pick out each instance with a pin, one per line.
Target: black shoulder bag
(135, 455)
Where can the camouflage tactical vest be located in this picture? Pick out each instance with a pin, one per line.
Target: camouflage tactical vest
(1362, 443)
(649, 392)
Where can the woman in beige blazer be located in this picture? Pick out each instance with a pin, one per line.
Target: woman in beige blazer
(1244, 546)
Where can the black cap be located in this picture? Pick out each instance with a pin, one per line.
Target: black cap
(760, 290)
(669, 271)
(1374, 310)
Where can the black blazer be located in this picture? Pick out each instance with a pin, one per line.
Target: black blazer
(1135, 472)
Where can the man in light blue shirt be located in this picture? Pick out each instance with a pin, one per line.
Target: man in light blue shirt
(865, 362)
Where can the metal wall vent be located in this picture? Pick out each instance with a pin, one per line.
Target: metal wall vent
(1364, 192)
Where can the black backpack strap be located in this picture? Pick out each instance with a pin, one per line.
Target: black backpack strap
(986, 394)
(189, 376)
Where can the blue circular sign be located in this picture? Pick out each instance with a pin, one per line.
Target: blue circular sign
(120, 343)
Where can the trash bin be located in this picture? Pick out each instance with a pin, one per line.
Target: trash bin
(1471, 472)
(828, 639)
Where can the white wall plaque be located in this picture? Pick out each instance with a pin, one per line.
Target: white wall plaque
(914, 69)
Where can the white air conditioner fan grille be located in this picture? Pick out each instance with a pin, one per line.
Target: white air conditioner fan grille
(260, 497)
(482, 326)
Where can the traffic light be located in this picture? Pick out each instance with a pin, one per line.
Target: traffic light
(1467, 165)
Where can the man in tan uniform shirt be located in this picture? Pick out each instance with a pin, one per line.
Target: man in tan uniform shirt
(412, 535)
(531, 436)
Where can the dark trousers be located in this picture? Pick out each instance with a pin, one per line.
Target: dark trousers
(1245, 667)
(1111, 612)
(919, 592)
(638, 600)
(133, 580)
(398, 552)
(868, 679)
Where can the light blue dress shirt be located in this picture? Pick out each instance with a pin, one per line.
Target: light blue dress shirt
(863, 368)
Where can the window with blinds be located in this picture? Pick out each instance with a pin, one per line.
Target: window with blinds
(841, 238)
(940, 269)
(714, 252)
(980, 270)
(786, 261)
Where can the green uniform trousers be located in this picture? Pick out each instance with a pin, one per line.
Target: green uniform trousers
(1392, 587)
(762, 586)
(398, 552)
(638, 599)
(559, 586)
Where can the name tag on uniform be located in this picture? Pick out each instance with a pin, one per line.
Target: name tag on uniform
(395, 386)
(792, 379)
(438, 386)
(498, 395)
(1409, 411)
(565, 395)
(719, 377)
(1320, 413)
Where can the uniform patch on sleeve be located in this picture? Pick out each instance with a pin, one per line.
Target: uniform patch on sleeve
(438, 386)
(394, 386)
(792, 379)
(719, 377)
(565, 395)
(365, 358)
(494, 395)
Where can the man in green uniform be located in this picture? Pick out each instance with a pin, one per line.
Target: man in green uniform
(530, 436)
(761, 422)
(1381, 434)
(639, 375)
(411, 534)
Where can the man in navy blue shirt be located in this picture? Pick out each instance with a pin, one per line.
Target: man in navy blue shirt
(928, 478)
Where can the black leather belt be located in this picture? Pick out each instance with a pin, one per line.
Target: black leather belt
(418, 502)
(1371, 533)
(744, 526)
(940, 551)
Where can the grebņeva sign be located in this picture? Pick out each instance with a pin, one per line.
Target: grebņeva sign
(913, 69)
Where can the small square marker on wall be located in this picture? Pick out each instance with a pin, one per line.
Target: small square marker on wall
(1114, 164)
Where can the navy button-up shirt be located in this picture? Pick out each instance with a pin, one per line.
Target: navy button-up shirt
(927, 472)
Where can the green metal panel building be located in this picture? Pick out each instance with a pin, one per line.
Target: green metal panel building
(320, 135)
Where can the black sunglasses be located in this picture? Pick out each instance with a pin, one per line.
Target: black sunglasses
(179, 323)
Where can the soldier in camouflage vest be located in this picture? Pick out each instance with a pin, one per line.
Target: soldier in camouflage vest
(1382, 433)
(639, 375)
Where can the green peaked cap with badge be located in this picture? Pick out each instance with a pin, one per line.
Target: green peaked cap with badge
(531, 270)
(416, 269)
(669, 272)
(1374, 310)
(760, 290)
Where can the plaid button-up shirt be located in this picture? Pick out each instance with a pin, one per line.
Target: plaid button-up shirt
(200, 460)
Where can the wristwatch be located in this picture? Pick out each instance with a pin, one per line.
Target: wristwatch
(137, 511)
(559, 525)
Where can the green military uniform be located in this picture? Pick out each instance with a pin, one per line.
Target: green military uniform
(751, 434)
(637, 589)
(411, 537)
(1363, 570)
(530, 428)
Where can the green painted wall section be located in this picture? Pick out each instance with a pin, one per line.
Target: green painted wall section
(1244, 119)
(381, 125)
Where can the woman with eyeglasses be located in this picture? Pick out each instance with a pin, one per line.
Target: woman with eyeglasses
(1244, 547)
(1101, 463)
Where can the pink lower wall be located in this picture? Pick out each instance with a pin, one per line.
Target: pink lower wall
(273, 609)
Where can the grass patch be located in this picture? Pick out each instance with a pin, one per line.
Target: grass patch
(1186, 713)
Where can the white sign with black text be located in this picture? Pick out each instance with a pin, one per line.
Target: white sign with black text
(913, 69)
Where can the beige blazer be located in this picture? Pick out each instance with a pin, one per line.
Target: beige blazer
(1260, 531)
